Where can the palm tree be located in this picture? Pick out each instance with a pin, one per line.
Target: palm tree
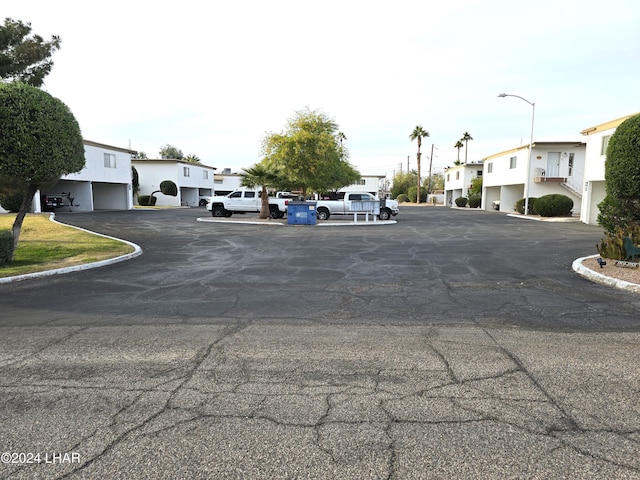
(465, 138)
(418, 133)
(261, 175)
(458, 145)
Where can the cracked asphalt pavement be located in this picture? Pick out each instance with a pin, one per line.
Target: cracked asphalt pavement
(454, 344)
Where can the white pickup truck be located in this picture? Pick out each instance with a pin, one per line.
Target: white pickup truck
(245, 201)
(353, 202)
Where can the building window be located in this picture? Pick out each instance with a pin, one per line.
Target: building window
(605, 144)
(489, 167)
(109, 160)
(362, 181)
(218, 181)
(185, 171)
(457, 175)
(205, 174)
(479, 173)
(448, 177)
(513, 162)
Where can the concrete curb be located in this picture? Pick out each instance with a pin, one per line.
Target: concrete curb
(602, 279)
(86, 266)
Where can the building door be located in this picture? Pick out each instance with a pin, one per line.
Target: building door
(553, 164)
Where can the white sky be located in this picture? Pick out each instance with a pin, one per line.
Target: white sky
(213, 78)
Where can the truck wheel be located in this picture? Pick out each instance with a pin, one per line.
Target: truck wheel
(385, 214)
(323, 214)
(217, 211)
(274, 212)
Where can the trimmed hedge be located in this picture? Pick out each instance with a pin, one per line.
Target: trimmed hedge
(402, 198)
(553, 205)
(461, 201)
(11, 202)
(6, 246)
(143, 200)
(475, 201)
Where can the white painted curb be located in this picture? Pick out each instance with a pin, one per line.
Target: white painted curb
(599, 278)
(86, 266)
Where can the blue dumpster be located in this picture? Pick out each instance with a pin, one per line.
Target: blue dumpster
(301, 213)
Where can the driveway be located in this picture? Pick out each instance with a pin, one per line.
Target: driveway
(453, 344)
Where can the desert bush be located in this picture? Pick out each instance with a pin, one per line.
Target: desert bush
(612, 245)
(553, 205)
(402, 198)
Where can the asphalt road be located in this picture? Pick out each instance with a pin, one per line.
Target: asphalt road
(453, 344)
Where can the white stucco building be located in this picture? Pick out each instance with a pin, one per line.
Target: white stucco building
(457, 180)
(597, 139)
(556, 167)
(194, 181)
(105, 182)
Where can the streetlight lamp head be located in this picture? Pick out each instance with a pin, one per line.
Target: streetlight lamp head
(502, 95)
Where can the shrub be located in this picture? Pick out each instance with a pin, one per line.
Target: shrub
(475, 201)
(621, 205)
(612, 245)
(11, 201)
(143, 200)
(402, 198)
(6, 246)
(519, 205)
(167, 187)
(152, 201)
(553, 205)
(461, 201)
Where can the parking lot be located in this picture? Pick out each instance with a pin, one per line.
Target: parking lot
(452, 344)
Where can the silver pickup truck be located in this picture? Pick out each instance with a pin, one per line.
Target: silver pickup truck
(354, 203)
(245, 201)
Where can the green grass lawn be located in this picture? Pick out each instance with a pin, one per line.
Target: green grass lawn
(45, 245)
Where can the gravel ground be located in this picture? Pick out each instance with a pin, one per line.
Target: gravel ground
(631, 275)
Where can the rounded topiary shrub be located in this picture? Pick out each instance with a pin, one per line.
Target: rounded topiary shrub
(461, 201)
(519, 205)
(143, 200)
(152, 201)
(11, 202)
(553, 205)
(475, 201)
(402, 198)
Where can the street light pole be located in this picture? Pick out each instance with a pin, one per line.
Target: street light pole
(527, 179)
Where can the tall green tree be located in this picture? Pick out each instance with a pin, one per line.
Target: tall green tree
(418, 134)
(263, 176)
(308, 155)
(465, 138)
(621, 205)
(402, 181)
(24, 57)
(458, 145)
(40, 141)
(169, 151)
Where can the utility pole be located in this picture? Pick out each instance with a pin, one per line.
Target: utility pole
(429, 180)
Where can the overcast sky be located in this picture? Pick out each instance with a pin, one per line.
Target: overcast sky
(213, 78)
